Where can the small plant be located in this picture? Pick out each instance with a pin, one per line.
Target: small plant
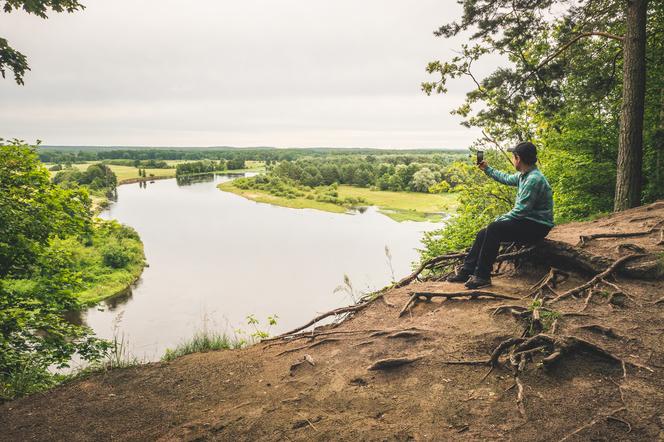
(347, 287)
(258, 334)
(388, 256)
(118, 355)
(547, 317)
(603, 293)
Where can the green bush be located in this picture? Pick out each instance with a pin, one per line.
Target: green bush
(115, 256)
(480, 200)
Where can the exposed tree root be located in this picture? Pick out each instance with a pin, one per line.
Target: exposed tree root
(591, 292)
(568, 257)
(583, 240)
(548, 281)
(519, 396)
(441, 260)
(597, 279)
(622, 247)
(619, 291)
(515, 310)
(597, 328)
(316, 334)
(516, 254)
(553, 348)
(411, 332)
(467, 362)
(363, 343)
(304, 347)
(598, 418)
(305, 359)
(521, 350)
(386, 364)
(429, 264)
(406, 334)
(468, 293)
(336, 312)
(641, 218)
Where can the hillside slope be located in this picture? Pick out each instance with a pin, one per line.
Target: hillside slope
(582, 367)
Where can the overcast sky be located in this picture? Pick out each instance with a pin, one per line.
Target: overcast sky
(286, 73)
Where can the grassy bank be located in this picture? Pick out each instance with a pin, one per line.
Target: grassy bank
(261, 196)
(400, 206)
(102, 265)
(109, 264)
(404, 206)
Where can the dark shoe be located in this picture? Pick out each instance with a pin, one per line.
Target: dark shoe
(475, 282)
(461, 276)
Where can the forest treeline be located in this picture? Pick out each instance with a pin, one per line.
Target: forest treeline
(98, 178)
(413, 173)
(208, 166)
(63, 155)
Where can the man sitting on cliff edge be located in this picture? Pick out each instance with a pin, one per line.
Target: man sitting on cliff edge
(529, 221)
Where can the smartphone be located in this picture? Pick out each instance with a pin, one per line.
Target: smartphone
(480, 156)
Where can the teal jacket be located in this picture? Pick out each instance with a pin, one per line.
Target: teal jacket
(534, 197)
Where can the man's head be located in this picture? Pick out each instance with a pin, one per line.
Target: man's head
(525, 155)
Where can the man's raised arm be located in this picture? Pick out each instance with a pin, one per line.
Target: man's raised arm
(501, 177)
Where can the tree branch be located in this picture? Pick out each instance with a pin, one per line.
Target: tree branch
(574, 40)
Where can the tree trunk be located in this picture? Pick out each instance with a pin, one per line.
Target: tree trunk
(630, 147)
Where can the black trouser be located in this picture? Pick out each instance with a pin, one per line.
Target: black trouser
(482, 255)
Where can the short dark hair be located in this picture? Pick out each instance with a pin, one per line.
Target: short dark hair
(526, 151)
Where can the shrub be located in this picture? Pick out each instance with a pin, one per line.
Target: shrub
(115, 256)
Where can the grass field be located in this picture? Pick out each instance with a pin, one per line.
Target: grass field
(292, 203)
(125, 173)
(400, 206)
(405, 206)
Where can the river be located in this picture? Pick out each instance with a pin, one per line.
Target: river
(215, 258)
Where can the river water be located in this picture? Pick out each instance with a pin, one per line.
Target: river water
(215, 257)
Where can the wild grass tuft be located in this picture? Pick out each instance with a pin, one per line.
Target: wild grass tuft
(203, 341)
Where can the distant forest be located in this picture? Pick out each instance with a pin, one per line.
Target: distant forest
(63, 154)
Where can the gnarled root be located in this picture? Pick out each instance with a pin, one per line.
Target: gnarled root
(386, 364)
(473, 294)
(584, 239)
(552, 348)
(430, 264)
(597, 279)
(597, 419)
(336, 312)
(548, 282)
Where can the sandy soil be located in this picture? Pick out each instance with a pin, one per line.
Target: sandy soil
(265, 393)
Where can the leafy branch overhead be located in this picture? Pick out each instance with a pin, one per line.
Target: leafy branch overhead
(557, 54)
(539, 47)
(10, 58)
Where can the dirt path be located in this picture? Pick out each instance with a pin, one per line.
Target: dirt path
(321, 389)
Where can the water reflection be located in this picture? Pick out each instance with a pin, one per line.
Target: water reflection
(188, 180)
(216, 257)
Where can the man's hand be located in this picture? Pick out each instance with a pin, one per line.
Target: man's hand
(483, 165)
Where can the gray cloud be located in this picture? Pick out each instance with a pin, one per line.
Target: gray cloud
(256, 72)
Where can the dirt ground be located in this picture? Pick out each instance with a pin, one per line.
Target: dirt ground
(320, 388)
